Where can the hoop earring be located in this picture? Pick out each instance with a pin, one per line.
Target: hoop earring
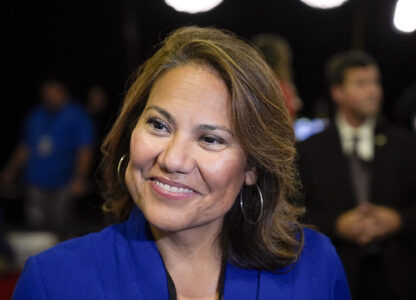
(261, 207)
(120, 162)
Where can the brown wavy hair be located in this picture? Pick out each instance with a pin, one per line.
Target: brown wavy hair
(261, 124)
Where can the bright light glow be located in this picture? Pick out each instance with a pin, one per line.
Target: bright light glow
(324, 4)
(193, 6)
(405, 15)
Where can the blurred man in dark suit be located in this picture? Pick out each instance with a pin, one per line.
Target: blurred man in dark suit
(359, 178)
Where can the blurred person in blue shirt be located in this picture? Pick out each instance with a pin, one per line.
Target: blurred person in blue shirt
(55, 154)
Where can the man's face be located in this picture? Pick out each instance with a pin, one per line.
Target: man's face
(361, 93)
(54, 96)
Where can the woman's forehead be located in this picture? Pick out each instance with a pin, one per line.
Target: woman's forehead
(190, 82)
(192, 92)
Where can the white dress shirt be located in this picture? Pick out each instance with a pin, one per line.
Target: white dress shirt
(364, 133)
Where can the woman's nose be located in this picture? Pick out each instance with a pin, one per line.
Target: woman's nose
(176, 155)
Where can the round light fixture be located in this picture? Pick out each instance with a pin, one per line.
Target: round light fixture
(405, 16)
(324, 4)
(193, 6)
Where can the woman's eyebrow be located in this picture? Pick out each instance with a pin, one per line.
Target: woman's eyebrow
(202, 127)
(214, 127)
(163, 112)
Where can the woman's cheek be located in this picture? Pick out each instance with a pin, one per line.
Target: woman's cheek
(130, 182)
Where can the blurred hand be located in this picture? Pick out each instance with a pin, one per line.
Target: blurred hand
(351, 224)
(387, 220)
(367, 222)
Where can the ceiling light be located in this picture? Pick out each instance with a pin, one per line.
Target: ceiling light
(324, 4)
(193, 6)
(405, 16)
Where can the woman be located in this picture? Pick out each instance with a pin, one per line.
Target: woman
(198, 167)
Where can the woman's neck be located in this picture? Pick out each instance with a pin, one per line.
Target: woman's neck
(193, 260)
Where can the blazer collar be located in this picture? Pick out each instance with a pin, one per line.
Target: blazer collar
(148, 265)
(150, 271)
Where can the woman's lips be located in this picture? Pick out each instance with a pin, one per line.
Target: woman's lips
(171, 189)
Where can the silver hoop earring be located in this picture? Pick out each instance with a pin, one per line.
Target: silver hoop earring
(120, 162)
(261, 207)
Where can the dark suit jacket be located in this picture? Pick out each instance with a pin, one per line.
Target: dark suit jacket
(328, 193)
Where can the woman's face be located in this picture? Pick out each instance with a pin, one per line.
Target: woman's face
(186, 165)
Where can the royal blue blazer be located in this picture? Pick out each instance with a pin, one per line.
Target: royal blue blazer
(123, 262)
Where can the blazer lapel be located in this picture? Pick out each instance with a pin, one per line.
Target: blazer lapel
(383, 163)
(240, 283)
(336, 167)
(147, 264)
(273, 286)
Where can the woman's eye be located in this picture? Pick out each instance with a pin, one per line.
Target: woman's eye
(156, 124)
(212, 140)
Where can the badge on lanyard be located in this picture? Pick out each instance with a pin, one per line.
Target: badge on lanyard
(45, 145)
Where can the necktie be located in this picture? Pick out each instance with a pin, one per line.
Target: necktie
(360, 175)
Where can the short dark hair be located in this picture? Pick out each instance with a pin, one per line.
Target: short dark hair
(338, 64)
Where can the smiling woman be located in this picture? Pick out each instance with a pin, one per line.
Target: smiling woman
(186, 167)
(198, 169)
(234, 84)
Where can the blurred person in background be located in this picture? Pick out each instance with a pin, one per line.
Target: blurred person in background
(97, 107)
(278, 54)
(198, 169)
(405, 108)
(359, 178)
(55, 154)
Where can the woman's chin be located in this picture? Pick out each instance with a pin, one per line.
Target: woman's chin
(167, 224)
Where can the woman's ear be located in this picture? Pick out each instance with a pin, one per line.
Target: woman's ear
(251, 176)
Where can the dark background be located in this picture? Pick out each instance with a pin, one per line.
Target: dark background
(103, 42)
